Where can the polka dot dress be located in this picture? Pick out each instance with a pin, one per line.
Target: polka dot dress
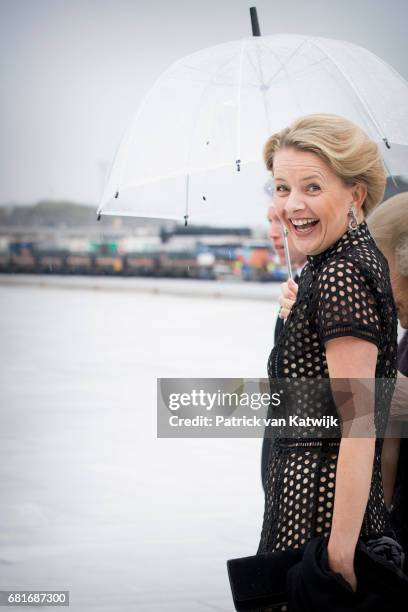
(343, 291)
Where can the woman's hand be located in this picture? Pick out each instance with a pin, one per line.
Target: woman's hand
(287, 297)
(343, 565)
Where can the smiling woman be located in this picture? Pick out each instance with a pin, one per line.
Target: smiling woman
(323, 166)
(328, 175)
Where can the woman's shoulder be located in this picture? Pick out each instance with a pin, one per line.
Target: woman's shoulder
(369, 258)
(362, 264)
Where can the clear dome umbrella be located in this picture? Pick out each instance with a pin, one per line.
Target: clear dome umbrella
(194, 149)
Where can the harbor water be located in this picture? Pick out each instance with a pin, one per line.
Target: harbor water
(91, 500)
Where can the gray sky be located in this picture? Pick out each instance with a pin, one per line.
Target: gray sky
(73, 71)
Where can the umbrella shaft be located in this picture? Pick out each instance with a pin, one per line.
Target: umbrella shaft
(286, 249)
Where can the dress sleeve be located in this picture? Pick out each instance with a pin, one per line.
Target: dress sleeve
(345, 304)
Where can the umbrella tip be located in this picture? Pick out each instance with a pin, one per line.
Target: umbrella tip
(238, 162)
(98, 218)
(387, 144)
(254, 21)
(116, 195)
(185, 220)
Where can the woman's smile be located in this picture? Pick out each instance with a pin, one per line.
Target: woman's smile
(304, 226)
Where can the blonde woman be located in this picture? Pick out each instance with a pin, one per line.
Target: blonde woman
(328, 176)
(388, 225)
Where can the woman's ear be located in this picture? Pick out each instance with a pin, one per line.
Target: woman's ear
(359, 194)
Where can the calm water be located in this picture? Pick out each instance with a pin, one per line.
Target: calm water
(91, 501)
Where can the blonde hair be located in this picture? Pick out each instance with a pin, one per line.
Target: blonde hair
(343, 146)
(388, 225)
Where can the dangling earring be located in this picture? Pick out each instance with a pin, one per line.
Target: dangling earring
(353, 223)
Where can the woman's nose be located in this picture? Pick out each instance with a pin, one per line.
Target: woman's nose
(294, 203)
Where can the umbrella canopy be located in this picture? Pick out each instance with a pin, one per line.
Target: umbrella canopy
(194, 148)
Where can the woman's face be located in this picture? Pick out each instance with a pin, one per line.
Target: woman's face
(311, 200)
(399, 284)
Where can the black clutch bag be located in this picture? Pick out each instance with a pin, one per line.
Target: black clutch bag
(260, 580)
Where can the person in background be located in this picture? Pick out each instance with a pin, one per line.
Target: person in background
(389, 227)
(298, 260)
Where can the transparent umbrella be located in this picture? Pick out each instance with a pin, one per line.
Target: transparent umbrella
(194, 148)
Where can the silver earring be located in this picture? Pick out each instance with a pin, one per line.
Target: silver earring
(353, 223)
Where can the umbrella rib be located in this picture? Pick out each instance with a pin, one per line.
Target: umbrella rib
(281, 67)
(181, 173)
(208, 85)
(284, 64)
(262, 81)
(207, 74)
(130, 138)
(284, 68)
(300, 71)
(392, 69)
(239, 86)
(284, 233)
(255, 85)
(350, 82)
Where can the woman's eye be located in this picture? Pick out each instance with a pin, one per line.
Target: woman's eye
(313, 187)
(281, 188)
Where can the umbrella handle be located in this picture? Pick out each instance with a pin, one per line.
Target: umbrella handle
(286, 249)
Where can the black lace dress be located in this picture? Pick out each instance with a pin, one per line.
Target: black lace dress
(343, 291)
